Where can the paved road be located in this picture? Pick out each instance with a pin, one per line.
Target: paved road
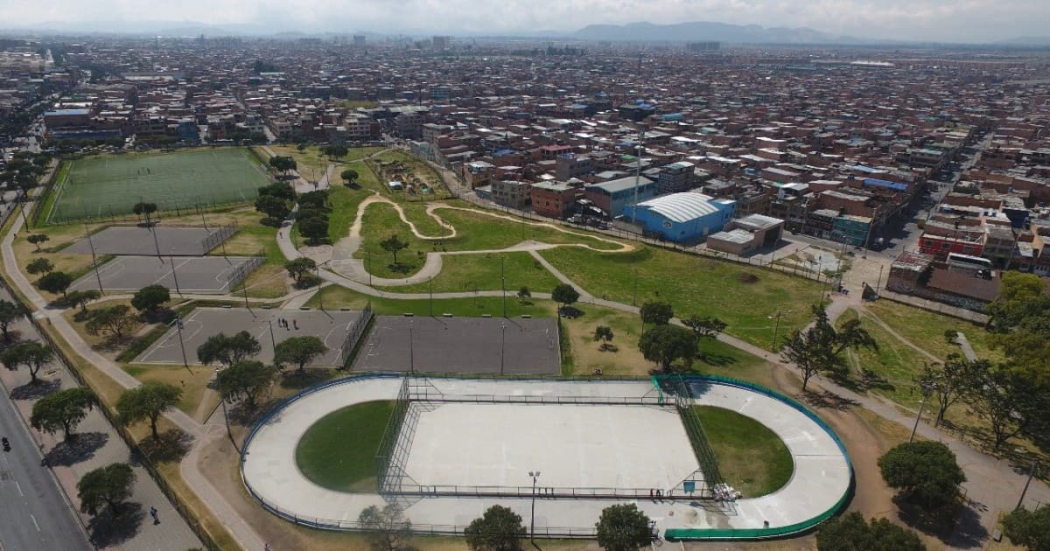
(33, 512)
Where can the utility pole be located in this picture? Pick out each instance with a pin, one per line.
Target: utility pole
(503, 284)
(879, 280)
(320, 288)
(273, 340)
(156, 243)
(430, 288)
(411, 347)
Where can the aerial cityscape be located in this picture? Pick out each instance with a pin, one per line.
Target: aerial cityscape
(591, 275)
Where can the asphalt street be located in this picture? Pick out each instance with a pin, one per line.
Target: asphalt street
(33, 513)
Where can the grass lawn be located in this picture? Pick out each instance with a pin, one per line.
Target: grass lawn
(694, 285)
(193, 381)
(340, 297)
(926, 329)
(751, 458)
(482, 271)
(475, 231)
(338, 451)
(894, 365)
(110, 185)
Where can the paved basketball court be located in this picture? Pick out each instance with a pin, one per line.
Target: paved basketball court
(137, 240)
(512, 346)
(205, 274)
(331, 327)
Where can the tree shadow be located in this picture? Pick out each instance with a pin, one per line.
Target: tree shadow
(34, 391)
(13, 337)
(299, 380)
(170, 445)
(107, 530)
(114, 343)
(79, 448)
(715, 359)
(958, 525)
(827, 399)
(160, 315)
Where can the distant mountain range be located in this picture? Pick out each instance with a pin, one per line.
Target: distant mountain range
(708, 31)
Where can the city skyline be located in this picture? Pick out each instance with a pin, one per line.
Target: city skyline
(971, 21)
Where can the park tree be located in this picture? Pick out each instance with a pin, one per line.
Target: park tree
(300, 266)
(106, 486)
(317, 200)
(498, 529)
(603, 333)
(524, 294)
(565, 295)
(850, 532)
(80, 299)
(1020, 296)
(314, 229)
(948, 382)
(656, 312)
(349, 176)
(335, 150)
(925, 473)
(704, 327)
(275, 209)
(55, 283)
(150, 298)
(228, 350)
(1029, 528)
(623, 528)
(115, 320)
(249, 380)
(298, 351)
(665, 344)
(10, 312)
(283, 164)
(393, 245)
(39, 266)
(388, 529)
(147, 401)
(31, 354)
(142, 208)
(62, 411)
(818, 349)
(280, 190)
(1007, 401)
(36, 239)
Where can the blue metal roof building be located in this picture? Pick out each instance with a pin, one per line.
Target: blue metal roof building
(682, 217)
(885, 184)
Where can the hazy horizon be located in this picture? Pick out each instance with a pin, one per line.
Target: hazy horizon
(963, 21)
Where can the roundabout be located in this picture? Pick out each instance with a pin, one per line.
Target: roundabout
(453, 447)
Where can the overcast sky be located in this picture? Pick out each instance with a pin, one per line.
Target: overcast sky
(938, 20)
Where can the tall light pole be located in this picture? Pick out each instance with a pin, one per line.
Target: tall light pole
(94, 260)
(174, 275)
(776, 327)
(503, 284)
(273, 340)
(1031, 473)
(535, 475)
(922, 405)
(182, 344)
(411, 347)
(502, 346)
(638, 173)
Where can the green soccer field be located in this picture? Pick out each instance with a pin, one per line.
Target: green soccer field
(110, 186)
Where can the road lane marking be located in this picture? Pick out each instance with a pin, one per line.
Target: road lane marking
(19, 486)
(34, 522)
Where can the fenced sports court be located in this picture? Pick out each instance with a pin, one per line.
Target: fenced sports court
(180, 274)
(107, 187)
(153, 241)
(419, 344)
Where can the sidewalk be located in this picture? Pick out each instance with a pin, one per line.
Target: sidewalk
(189, 469)
(98, 445)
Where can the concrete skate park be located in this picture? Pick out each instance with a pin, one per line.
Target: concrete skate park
(463, 445)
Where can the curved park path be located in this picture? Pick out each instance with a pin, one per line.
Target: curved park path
(342, 261)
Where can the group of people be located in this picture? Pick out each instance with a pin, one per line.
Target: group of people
(281, 322)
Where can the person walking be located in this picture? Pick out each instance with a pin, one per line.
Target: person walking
(153, 513)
